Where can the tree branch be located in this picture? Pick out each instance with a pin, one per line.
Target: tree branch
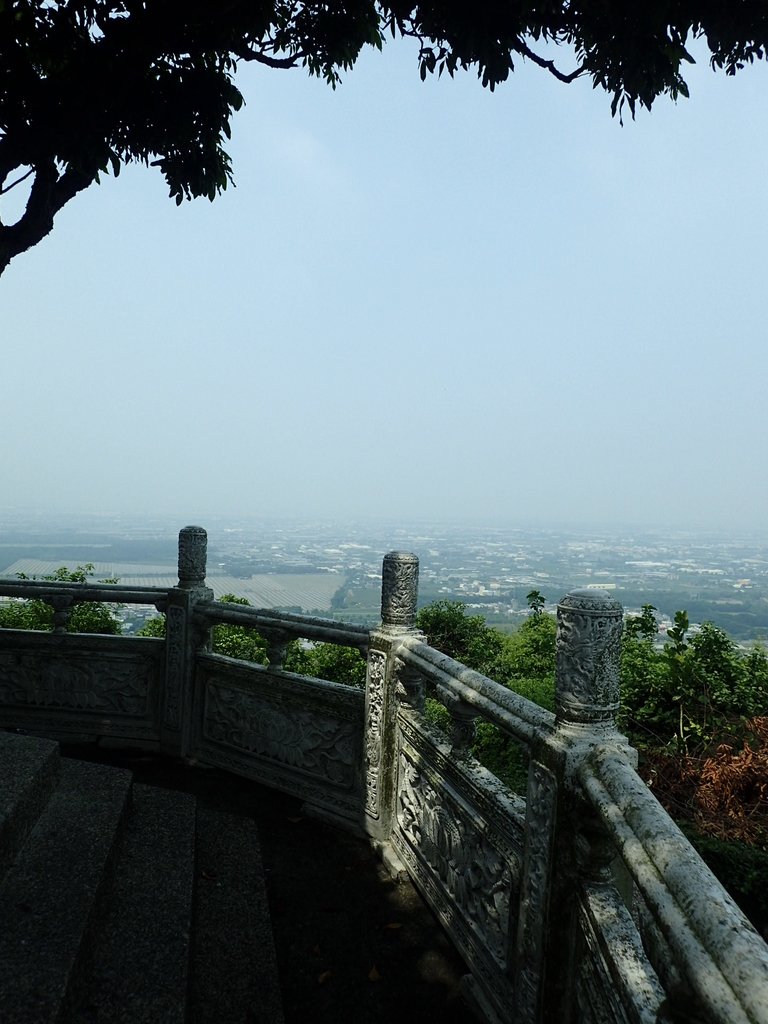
(50, 191)
(549, 65)
(271, 62)
(17, 182)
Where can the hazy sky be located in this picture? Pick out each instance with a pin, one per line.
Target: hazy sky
(421, 300)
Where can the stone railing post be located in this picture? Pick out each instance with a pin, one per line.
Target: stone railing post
(565, 842)
(183, 639)
(399, 591)
(587, 671)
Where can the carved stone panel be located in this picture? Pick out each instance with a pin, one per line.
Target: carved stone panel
(299, 739)
(302, 736)
(374, 728)
(457, 833)
(458, 853)
(175, 646)
(75, 684)
(535, 890)
(79, 684)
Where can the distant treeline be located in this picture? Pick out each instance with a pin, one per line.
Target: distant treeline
(154, 552)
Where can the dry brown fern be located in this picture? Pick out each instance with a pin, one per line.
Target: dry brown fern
(732, 793)
(725, 795)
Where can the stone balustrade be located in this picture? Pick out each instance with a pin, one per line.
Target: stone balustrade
(580, 901)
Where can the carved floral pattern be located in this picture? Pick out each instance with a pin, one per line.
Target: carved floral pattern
(106, 687)
(458, 854)
(373, 729)
(297, 738)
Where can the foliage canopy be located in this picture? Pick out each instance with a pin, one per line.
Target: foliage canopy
(84, 616)
(89, 85)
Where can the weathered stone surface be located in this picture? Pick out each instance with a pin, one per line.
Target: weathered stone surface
(234, 967)
(29, 770)
(48, 897)
(399, 589)
(300, 735)
(193, 555)
(588, 638)
(137, 961)
(527, 889)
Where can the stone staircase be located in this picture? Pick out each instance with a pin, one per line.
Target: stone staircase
(126, 903)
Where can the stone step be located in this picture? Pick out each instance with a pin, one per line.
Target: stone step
(138, 963)
(234, 977)
(49, 896)
(28, 773)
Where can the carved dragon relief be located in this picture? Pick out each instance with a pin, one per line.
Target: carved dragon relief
(296, 738)
(399, 588)
(76, 684)
(459, 856)
(587, 645)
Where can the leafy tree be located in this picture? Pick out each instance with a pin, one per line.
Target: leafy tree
(325, 661)
(643, 625)
(694, 692)
(530, 651)
(154, 627)
(536, 601)
(241, 642)
(87, 86)
(645, 707)
(754, 690)
(464, 637)
(527, 654)
(524, 661)
(84, 617)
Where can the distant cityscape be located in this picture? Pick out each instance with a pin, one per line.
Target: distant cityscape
(334, 568)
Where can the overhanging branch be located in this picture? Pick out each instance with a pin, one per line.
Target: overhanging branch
(49, 192)
(17, 182)
(260, 57)
(549, 65)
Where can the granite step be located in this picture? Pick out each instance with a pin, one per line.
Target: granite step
(49, 895)
(138, 963)
(234, 976)
(126, 904)
(28, 774)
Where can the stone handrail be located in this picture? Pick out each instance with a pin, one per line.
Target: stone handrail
(709, 937)
(309, 627)
(689, 952)
(64, 596)
(582, 903)
(497, 704)
(51, 591)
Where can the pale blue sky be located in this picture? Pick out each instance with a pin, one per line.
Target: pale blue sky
(422, 300)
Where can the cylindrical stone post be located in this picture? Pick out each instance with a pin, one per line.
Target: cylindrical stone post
(399, 590)
(589, 624)
(193, 551)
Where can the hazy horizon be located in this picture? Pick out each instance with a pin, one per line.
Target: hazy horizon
(422, 302)
(213, 521)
